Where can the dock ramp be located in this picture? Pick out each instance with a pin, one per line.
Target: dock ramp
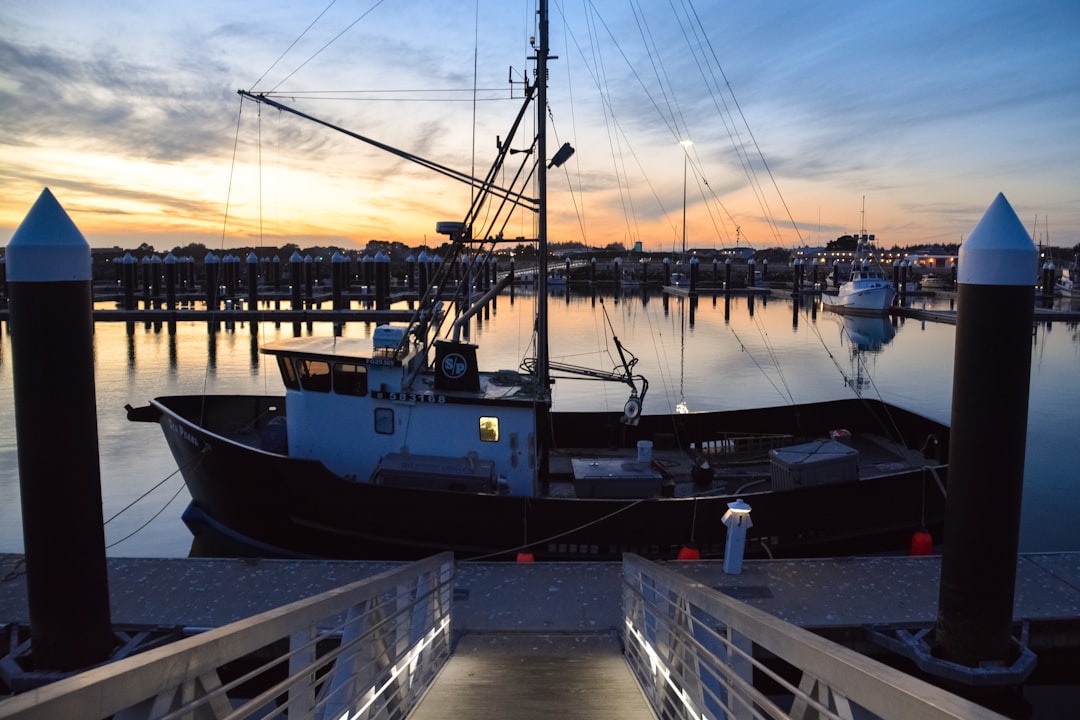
(436, 638)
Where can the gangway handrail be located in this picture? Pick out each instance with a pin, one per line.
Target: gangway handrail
(354, 651)
(692, 649)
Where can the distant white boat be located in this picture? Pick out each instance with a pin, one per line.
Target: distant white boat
(1068, 285)
(628, 281)
(679, 279)
(935, 282)
(867, 292)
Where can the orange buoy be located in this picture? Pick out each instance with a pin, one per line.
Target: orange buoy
(922, 543)
(524, 557)
(689, 553)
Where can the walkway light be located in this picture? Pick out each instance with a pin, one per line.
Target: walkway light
(737, 520)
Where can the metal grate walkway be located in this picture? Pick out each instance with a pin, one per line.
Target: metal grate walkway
(532, 675)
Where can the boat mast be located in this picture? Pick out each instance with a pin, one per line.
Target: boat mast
(543, 373)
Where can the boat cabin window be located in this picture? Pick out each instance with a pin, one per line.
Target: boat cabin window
(314, 375)
(288, 373)
(350, 379)
(384, 421)
(489, 429)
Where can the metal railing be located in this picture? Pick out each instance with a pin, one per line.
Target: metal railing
(364, 650)
(698, 653)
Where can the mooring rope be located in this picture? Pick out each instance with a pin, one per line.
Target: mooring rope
(137, 500)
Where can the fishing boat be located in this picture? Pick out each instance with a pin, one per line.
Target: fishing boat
(935, 282)
(557, 280)
(1068, 282)
(679, 279)
(867, 291)
(402, 446)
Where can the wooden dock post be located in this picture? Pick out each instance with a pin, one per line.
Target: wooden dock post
(309, 280)
(382, 281)
(253, 281)
(339, 269)
(155, 280)
(147, 280)
(991, 377)
(128, 264)
(211, 263)
(170, 282)
(52, 342)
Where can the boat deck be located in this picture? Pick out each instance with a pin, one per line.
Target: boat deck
(680, 475)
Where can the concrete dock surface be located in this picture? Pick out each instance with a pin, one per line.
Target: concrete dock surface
(564, 597)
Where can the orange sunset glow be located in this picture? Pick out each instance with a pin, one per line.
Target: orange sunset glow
(130, 117)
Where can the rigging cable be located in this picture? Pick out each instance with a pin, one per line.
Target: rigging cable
(598, 74)
(579, 209)
(670, 123)
(892, 430)
(611, 120)
(224, 231)
(476, 71)
(738, 145)
(293, 44)
(330, 42)
(745, 349)
(772, 355)
(750, 132)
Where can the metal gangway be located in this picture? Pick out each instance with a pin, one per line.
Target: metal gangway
(384, 647)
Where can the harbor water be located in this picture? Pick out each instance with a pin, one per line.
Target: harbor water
(708, 354)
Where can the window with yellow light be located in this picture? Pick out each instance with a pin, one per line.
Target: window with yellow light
(489, 429)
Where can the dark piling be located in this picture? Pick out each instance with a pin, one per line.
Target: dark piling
(52, 339)
(991, 373)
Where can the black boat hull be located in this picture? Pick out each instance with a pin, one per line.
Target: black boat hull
(267, 504)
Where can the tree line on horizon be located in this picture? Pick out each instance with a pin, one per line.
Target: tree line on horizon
(399, 252)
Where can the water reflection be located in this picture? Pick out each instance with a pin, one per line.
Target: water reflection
(866, 336)
(211, 351)
(701, 355)
(253, 346)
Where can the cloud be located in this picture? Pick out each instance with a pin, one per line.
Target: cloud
(108, 105)
(900, 99)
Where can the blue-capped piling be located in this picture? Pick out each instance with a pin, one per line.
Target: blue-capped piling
(52, 342)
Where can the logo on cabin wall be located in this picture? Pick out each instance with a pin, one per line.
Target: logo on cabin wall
(454, 366)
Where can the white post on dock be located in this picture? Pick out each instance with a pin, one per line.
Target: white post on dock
(737, 520)
(52, 343)
(991, 376)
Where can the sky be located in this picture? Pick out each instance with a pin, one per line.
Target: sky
(784, 123)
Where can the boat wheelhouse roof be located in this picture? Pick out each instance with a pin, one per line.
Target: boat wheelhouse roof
(327, 348)
(498, 385)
